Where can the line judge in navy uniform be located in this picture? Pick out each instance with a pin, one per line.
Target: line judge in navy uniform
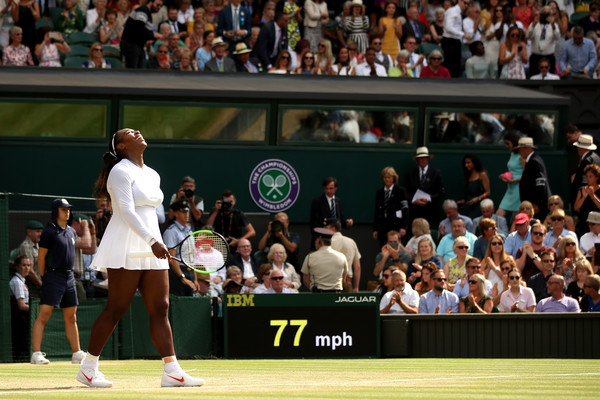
(234, 24)
(429, 180)
(534, 184)
(391, 207)
(182, 281)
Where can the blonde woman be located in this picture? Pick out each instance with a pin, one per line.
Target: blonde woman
(420, 229)
(324, 56)
(477, 301)
(426, 254)
(277, 256)
(455, 267)
(567, 255)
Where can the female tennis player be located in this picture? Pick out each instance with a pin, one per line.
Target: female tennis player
(134, 190)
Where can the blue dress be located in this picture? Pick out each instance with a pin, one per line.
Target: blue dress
(512, 199)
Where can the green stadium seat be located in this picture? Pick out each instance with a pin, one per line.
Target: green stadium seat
(115, 62)
(75, 61)
(79, 50)
(578, 16)
(426, 48)
(42, 22)
(54, 14)
(82, 38)
(112, 51)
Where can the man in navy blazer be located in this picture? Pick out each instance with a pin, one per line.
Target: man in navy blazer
(244, 259)
(429, 180)
(267, 46)
(327, 206)
(233, 31)
(534, 185)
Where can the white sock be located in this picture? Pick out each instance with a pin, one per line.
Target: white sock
(171, 365)
(90, 361)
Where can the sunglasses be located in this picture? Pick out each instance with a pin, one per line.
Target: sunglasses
(506, 269)
(512, 278)
(97, 49)
(475, 266)
(570, 244)
(309, 58)
(440, 279)
(548, 261)
(435, 58)
(549, 204)
(554, 219)
(516, 35)
(496, 243)
(546, 67)
(376, 42)
(321, 45)
(285, 58)
(462, 247)
(473, 282)
(276, 278)
(538, 233)
(386, 276)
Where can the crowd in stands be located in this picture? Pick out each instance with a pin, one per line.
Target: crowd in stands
(534, 252)
(505, 39)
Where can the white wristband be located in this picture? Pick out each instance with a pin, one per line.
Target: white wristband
(152, 241)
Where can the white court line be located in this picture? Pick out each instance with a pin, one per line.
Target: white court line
(370, 382)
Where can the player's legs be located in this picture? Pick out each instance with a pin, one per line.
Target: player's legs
(39, 325)
(122, 284)
(154, 288)
(71, 329)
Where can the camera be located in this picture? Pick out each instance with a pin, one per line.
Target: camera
(106, 213)
(544, 18)
(276, 226)
(393, 245)
(189, 193)
(226, 205)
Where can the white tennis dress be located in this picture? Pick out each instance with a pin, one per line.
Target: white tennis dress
(135, 193)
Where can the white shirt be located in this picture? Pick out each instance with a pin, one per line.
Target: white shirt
(546, 46)
(365, 70)
(412, 60)
(526, 299)
(453, 27)
(587, 241)
(248, 272)
(547, 77)
(283, 291)
(409, 296)
(469, 27)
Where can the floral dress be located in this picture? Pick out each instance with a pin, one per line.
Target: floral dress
(293, 26)
(50, 56)
(515, 69)
(19, 56)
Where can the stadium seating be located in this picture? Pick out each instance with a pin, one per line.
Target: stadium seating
(42, 22)
(75, 61)
(115, 62)
(79, 50)
(578, 16)
(81, 38)
(426, 48)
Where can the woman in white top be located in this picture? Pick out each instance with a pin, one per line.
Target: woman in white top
(134, 191)
(277, 257)
(316, 16)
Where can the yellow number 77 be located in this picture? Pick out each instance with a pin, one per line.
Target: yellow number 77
(282, 323)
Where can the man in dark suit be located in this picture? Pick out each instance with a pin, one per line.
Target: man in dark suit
(414, 27)
(242, 59)
(328, 205)
(391, 207)
(585, 149)
(534, 184)
(220, 62)
(244, 260)
(176, 27)
(271, 40)
(428, 180)
(234, 24)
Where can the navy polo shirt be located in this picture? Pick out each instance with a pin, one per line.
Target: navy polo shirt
(61, 247)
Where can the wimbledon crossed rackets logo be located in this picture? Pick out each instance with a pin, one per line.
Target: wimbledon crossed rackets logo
(274, 185)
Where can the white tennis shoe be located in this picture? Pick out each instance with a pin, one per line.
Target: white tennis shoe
(179, 378)
(39, 358)
(77, 357)
(93, 378)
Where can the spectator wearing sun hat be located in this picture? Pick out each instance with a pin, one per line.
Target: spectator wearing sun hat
(425, 188)
(242, 59)
(220, 62)
(585, 150)
(534, 185)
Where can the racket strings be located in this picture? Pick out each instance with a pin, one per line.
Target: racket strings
(209, 251)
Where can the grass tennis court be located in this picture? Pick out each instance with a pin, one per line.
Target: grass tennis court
(317, 379)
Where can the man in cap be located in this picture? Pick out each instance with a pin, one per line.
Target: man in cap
(205, 287)
(572, 133)
(516, 239)
(55, 262)
(425, 188)
(30, 247)
(534, 185)
(324, 269)
(242, 59)
(587, 241)
(182, 281)
(557, 221)
(220, 62)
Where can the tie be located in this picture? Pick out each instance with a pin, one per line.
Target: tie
(220, 65)
(236, 19)
(174, 27)
(386, 201)
(332, 208)
(373, 70)
(544, 32)
(422, 176)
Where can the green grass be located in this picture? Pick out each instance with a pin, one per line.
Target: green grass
(317, 379)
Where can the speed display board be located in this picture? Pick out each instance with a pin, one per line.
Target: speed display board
(315, 325)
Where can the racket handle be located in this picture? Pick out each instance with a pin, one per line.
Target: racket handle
(141, 254)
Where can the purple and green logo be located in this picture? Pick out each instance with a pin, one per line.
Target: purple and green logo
(274, 185)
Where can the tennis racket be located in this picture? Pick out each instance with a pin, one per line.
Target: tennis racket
(202, 251)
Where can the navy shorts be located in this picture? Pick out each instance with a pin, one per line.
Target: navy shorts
(58, 289)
